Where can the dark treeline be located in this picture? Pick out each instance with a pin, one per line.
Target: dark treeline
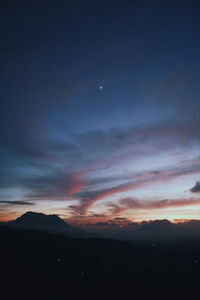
(39, 265)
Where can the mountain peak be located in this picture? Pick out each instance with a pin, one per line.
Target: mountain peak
(36, 219)
(49, 223)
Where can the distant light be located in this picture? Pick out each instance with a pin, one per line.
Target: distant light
(58, 260)
(101, 87)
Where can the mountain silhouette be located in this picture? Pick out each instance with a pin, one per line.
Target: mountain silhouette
(48, 223)
(152, 230)
(146, 230)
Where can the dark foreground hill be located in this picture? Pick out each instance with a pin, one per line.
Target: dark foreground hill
(39, 265)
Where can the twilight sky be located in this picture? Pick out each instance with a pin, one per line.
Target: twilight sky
(100, 109)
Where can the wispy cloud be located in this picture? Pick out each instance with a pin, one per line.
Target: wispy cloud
(135, 204)
(88, 198)
(16, 202)
(57, 185)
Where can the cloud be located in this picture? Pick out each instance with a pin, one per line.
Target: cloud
(115, 209)
(102, 224)
(96, 215)
(135, 204)
(120, 219)
(131, 203)
(176, 133)
(56, 185)
(196, 188)
(114, 222)
(55, 157)
(174, 202)
(88, 198)
(16, 202)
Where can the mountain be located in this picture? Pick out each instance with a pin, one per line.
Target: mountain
(48, 223)
(152, 230)
(146, 230)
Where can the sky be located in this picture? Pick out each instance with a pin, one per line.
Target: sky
(100, 110)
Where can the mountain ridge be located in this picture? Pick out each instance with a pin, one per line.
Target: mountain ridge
(152, 230)
(49, 223)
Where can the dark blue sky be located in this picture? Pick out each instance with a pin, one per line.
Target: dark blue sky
(100, 104)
